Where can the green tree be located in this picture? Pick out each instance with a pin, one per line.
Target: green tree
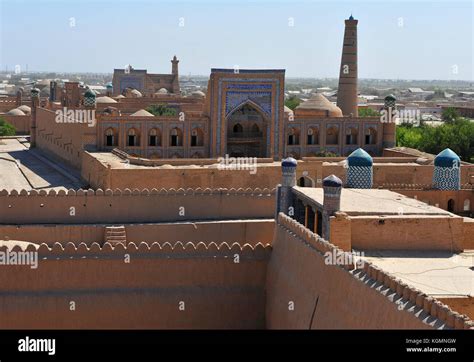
(368, 112)
(457, 135)
(449, 115)
(161, 110)
(292, 102)
(6, 129)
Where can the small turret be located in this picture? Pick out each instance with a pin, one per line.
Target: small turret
(284, 191)
(89, 99)
(332, 187)
(359, 170)
(447, 171)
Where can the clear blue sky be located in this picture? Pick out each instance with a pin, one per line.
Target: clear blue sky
(436, 36)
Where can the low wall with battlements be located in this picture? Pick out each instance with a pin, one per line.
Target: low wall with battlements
(139, 287)
(99, 173)
(230, 231)
(311, 294)
(134, 206)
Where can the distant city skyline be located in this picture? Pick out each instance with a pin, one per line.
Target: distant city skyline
(419, 40)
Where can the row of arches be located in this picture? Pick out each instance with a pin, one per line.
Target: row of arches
(154, 137)
(238, 128)
(332, 136)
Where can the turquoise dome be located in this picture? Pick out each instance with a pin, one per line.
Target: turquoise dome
(359, 158)
(89, 93)
(447, 158)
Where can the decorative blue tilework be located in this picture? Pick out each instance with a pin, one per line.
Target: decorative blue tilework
(89, 101)
(236, 99)
(276, 83)
(244, 71)
(249, 86)
(359, 177)
(447, 178)
(131, 82)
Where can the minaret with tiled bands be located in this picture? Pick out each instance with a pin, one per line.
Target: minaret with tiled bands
(347, 90)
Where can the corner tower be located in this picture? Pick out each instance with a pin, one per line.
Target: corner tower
(347, 90)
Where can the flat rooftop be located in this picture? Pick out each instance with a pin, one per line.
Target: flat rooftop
(22, 168)
(115, 162)
(438, 274)
(355, 202)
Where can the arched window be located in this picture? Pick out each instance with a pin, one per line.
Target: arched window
(154, 138)
(312, 137)
(255, 129)
(467, 205)
(238, 128)
(110, 137)
(332, 136)
(293, 137)
(351, 136)
(305, 181)
(370, 136)
(133, 139)
(176, 137)
(197, 137)
(451, 205)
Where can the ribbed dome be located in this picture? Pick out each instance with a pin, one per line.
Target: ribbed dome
(319, 105)
(447, 158)
(162, 91)
(105, 99)
(359, 158)
(142, 113)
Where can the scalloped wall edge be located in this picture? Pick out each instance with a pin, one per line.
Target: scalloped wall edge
(224, 248)
(141, 192)
(430, 305)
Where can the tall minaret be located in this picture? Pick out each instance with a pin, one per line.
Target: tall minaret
(347, 91)
(174, 71)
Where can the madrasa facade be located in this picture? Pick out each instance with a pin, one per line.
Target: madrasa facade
(242, 114)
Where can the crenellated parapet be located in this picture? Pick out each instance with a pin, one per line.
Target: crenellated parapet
(408, 298)
(421, 187)
(141, 192)
(151, 250)
(134, 205)
(313, 239)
